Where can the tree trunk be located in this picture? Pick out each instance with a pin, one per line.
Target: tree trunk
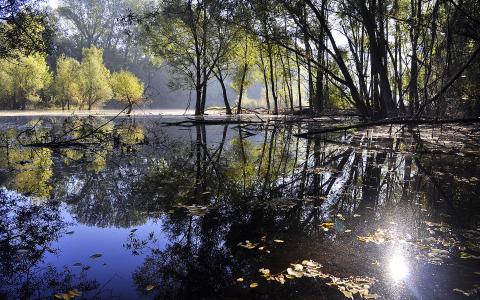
(219, 77)
(240, 96)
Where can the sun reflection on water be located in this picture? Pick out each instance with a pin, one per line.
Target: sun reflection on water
(398, 268)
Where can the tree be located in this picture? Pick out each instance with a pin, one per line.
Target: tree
(191, 36)
(67, 89)
(24, 79)
(94, 78)
(23, 29)
(244, 59)
(127, 88)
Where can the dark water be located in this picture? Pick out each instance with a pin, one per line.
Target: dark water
(140, 210)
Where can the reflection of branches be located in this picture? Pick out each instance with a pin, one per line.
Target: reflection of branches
(57, 142)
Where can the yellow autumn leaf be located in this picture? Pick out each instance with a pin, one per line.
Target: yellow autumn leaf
(149, 287)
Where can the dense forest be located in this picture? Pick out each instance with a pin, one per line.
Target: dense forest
(379, 58)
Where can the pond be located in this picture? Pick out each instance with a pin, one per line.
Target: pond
(138, 209)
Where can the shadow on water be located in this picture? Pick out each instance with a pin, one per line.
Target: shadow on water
(238, 211)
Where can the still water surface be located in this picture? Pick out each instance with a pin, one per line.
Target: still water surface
(144, 210)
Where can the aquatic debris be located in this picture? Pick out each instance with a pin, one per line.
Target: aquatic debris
(308, 268)
(279, 241)
(149, 287)
(466, 255)
(96, 255)
(68, 295)
(248, 245)
(195, 210)
(327, 225)
(240, 279)
(379, 237)
(473, 291)
(253, 285)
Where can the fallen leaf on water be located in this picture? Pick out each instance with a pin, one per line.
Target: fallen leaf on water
(356, 215)
(370, 296)
(240, 279)
(149, 287)
(279, 241)
(96, 255)
(248, 245)
(77, 264)
(133, 230)
(253, 285)
(68, 295)
(466, 255)
(70, 232)
(348, 231)
(328, 225)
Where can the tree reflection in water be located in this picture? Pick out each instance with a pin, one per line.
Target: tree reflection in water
(27, 231)
(286, 189)
(398, 207)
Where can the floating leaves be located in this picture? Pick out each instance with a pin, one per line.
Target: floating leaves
(240, 279)
(475, 290)
(68, 295)
(466, 255)
(253, 285)
(279, 241)
(96, 255)
(311, 269)
(327, 225)
(379, 237)
(247, 245)
(195, 210)
(149, 287)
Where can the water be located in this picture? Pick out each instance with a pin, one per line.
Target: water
(143, 210)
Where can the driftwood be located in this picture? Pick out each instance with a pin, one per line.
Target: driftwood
(397, 121)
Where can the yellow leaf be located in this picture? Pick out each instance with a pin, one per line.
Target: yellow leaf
(328, 225)
(149, 287)
(240, 279)
(279, 241)
(253, 285)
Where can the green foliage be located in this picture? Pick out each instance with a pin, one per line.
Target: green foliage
(126, 87)
(244, 54)
(23, 30)
(66, 87)
(23, 80)
(94, 78)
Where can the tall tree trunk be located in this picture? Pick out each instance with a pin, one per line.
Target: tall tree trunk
(242, 83)
(272, 80)
(265, 80)
(220, 79)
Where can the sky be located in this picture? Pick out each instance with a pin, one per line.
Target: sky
(53, 3)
